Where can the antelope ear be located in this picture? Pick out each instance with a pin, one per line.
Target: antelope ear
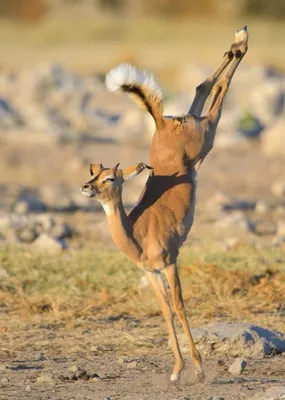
(95, 169)
(134, 170)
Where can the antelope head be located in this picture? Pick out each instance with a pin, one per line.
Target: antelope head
(106, 184)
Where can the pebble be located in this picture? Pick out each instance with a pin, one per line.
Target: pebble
(46, 378)
(238, 366)
(216, 398)
(4, 381)
(28, 388)
(2, 366)
(73, 368)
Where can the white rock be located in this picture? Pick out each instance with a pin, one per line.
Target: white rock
(45, 221)
(237, 339)
(29, 205)
(237, 367)
(235, 222)
(218, 202)
(261, 207)
(73, 368)
(273, 393)
(47, 244)
(273, 139)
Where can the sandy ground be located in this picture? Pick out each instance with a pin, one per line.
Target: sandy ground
(129, 359)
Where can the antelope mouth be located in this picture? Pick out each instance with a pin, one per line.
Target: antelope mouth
(87, 192)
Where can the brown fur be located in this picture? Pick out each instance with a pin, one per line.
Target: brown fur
(156, 228)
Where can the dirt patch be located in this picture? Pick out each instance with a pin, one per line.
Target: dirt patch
(123, 359)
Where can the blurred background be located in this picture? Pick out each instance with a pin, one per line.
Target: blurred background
(56, 117)
(57, 261)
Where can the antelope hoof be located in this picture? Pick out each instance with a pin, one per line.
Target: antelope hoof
(241, 35)
(175, 376)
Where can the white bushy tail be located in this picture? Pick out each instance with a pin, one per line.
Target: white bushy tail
(140, 85)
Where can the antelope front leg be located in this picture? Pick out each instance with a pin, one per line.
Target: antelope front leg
(172, 276)
(239, 49)
(160, 290)
(204, 89)
(219, 92)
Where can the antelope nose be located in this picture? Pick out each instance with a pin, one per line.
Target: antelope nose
(84, 187)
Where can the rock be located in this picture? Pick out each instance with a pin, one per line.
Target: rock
(28, 388)
(267, 102)
(9, 117)
(273, 139)
(2, 366)
(44, 222)
(28, 205)
(235, 222)
(26, 234)
(263, 228)
(278, 188)
(47, 244)
(73, 368)
(215, 398)
(4, 381)
(56, 198)
(237, 367)
(261, 207)
(237, 339)
(61, 231)
(273, 393)
(46, 379)
(218, 203)
(250, 126)
(122, 359)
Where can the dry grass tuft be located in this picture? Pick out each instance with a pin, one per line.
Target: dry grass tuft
(102, 283)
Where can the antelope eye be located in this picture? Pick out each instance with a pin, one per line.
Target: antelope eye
(108, 179)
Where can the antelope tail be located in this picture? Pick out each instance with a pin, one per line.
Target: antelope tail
(141, 86)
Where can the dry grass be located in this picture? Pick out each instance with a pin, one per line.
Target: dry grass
(243, 284)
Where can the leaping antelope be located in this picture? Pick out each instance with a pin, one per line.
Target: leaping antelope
(155, 229)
